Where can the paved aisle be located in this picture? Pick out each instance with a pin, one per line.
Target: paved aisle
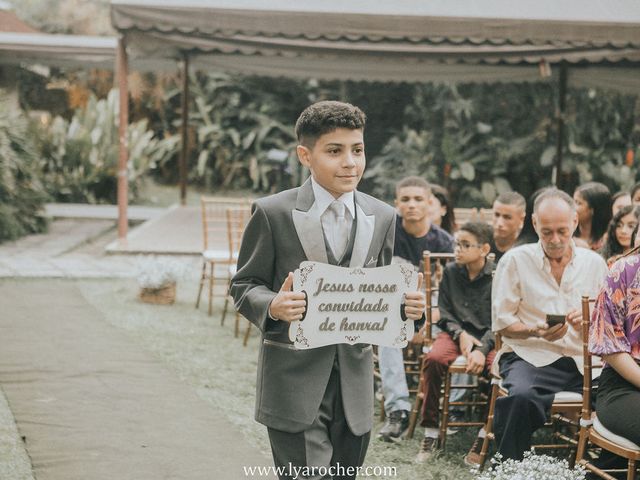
(93, 406)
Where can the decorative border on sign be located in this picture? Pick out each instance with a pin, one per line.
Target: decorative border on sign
(300, 338)
(352, 338)
(407, 273)
(356, 271)
(304, 273)
(402, 338)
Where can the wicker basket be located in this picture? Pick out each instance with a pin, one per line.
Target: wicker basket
(160, 296)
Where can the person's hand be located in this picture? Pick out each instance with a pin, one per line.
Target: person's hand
(467, 342)
(418, 337)
(574, 319)
(415, 302)
(288, 306)
(475, 362)
(551, 334)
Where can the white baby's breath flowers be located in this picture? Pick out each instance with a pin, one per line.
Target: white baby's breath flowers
(157, 272)
(532, 467)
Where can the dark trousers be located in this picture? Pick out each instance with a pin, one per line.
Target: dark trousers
(443, 353)
(328, 444)
(531, 391)
(618, 405)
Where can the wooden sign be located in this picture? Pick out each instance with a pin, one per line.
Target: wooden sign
(353, 305)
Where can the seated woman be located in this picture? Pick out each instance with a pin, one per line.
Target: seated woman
(441, 211)
(593, 204)
(615, 336)
(621, 228)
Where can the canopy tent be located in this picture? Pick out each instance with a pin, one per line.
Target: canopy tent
(593, 42)
(58, 50)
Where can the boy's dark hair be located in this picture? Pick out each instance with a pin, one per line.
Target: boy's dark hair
(512, 198)
(326, 116)
(413, 181)
(481, 230)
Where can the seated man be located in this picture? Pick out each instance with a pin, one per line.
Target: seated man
(538, 360)
(508, 218)
(465, 320)
(414, 234)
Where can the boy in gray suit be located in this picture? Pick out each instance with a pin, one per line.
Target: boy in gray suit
(317, 404)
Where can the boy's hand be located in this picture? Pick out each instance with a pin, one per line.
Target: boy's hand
(288, 306)
(414, 302)
(475, 362)
(467, 342)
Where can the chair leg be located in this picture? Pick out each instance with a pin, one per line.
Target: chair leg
(631, 470)
(203, 277)
(444, 418)
(417, 406)
(247, 332)
(488, 427)
(211, 284)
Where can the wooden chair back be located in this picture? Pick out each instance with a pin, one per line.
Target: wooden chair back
(237, 218)
(214, 219)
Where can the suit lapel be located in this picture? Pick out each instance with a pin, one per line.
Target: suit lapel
(364, 234)
(306, 220)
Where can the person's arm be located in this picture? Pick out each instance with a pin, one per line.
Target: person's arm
(625, 365)
(252, 285)
(448, 322)
(506, 297)
(607, 336)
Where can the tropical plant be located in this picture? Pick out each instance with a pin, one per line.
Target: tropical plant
(480, 140)
(22, 195)
(80, 157)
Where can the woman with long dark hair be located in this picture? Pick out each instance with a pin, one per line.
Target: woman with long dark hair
(593, 204)
(441, 212)
(619, 235)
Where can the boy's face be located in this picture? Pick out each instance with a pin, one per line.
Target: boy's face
(336, 160)
(413, 203)
(468, 249)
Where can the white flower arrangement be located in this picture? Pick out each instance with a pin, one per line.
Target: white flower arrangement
(157, 272)
(531, 467)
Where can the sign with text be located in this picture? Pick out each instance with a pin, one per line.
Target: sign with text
(352, 305)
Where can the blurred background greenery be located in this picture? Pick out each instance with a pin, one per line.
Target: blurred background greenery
(475, 139)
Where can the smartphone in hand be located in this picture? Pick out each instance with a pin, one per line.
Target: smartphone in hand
(553, 319)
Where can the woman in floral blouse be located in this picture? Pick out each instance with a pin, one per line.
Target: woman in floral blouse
(615, 335)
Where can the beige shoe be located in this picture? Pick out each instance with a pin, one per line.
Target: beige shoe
(427, 447)
(473, 457)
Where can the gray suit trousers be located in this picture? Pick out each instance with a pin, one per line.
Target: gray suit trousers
(327, 449)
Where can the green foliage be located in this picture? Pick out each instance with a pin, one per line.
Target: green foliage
(236, 121)
(481, 140)
(21, 194)
(80, 157)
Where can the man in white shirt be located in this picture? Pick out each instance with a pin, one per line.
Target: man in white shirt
(539, 359)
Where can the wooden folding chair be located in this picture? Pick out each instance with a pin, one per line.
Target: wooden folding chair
(565, 410)
(217, 254)
(237, 218)
(432, 277)
(591, 430)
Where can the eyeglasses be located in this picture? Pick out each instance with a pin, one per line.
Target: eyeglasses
(465, 245)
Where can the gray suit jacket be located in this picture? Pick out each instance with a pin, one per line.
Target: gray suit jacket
(284, 230)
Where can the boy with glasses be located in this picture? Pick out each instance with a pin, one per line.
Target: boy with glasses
(465, 320)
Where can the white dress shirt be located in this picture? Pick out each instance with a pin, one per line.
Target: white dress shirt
(525, 290)
(323, 199)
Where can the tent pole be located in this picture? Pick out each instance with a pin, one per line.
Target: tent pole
(556, 178)
(122, 68)
(184, 129)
